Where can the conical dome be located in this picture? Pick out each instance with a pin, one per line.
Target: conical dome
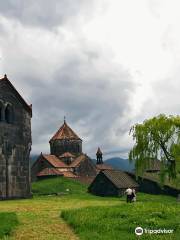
(65, 140)
(65, 132)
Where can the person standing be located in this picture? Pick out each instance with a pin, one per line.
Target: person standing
(133, 195)
(128, 193)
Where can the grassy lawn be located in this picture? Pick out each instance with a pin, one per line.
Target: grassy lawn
(58, 185)
(79, 215)
(8, 222)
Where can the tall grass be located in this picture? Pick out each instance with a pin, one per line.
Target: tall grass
(119, 222)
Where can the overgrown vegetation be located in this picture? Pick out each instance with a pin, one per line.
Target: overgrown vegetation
(157, 138)
(58, 185)
(119, 222)
(8, 221)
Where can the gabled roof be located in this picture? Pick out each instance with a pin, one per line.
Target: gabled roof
(78, 160)
(103, 166)
(65, 132)
(54, 161)
(55, 172)
(49, 172)
(27, 107)
(120, 179)
(67, 155)
(69, 174)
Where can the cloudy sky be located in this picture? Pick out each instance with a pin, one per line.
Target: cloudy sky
(104, 64)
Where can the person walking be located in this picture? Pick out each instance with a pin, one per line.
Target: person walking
(128, 193)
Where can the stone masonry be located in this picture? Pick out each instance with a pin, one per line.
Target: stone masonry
(15, 143)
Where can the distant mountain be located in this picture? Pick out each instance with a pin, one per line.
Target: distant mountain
(120, 163)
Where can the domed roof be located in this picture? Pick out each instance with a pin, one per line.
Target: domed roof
(65, 132)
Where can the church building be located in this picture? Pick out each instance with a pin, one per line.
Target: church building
(15, 142)
(65, 159)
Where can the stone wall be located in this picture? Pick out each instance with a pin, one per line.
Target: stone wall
(153, 187)
(101, 186)
(86, 168)
(15, 144)
(38, 166)
(58, 147)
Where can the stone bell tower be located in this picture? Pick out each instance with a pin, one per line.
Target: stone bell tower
(15, 142)
(99, 156)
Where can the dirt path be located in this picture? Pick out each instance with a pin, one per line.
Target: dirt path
(39, 218)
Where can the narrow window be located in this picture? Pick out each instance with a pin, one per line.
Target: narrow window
(1, 111)
(9, 114)
(1, 114)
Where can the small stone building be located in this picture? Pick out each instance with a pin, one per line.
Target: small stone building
(15, 142)
(150, 183)
(112, 183)
(65, 159)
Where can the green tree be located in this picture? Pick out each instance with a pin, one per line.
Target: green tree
(157, 138)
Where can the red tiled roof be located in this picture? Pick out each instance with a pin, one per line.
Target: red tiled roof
(28, 107)
(103, 167)
(69, 174)
(49, 172)
(55, 161)
(77, 161)
(65, 132)
(67, 155)
(85, 180)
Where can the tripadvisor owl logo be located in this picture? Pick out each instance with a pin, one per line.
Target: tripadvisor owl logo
(139, 231)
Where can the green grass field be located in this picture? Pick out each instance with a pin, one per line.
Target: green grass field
(8, 222)
(119, 222)
(75, 214)
(59, 186)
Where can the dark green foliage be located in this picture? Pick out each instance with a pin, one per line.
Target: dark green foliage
(157, 138)
(58, 185)
(119, 222)
(8, 221)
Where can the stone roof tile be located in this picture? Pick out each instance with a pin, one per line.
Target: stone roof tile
(54, 161)
(65, 132)
(49, 172)
(120, 179)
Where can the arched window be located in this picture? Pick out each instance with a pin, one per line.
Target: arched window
(9, 114)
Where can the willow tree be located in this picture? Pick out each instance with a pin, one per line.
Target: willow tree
(157, 138)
